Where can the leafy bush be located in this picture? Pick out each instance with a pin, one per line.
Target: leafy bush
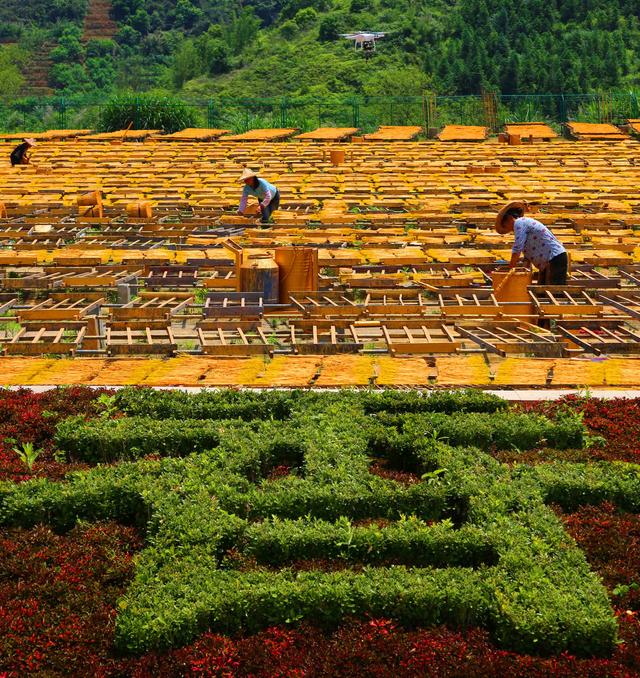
(223, 404)
(330, 27)
(105, 440)
(70, 48)
(100, 48)
(574, 485)
(306, 17)
(12, 60)
(289, 29)
(449, 402)
(70, 77)
(409, 542)
(487, 431)
(146, 112)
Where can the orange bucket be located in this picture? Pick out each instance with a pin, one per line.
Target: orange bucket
(336, 156)
(139, 210)
(91, 198)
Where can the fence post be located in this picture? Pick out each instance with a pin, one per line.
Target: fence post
(563, 109)
(136, 114)
(283, 112)
(356, 113)
(62, 124)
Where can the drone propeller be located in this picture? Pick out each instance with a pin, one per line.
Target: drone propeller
(363, 35)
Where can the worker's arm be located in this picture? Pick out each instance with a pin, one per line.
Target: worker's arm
(519, 241)
(266, 200)
(243, 201)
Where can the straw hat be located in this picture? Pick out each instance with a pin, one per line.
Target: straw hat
(247, 173)
(30, 141)
(513, 205)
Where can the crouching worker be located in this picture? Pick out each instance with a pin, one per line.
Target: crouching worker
(535, 242)
(267, 194)
(20, 154)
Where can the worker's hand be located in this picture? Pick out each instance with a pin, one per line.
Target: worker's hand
(239, 213)
(260, 207)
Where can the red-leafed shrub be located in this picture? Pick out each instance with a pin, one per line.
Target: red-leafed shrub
(611, 542)
(616, 420)
(58, 596)
(28, 417)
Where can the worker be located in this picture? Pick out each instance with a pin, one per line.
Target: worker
(267, 194)
(535, 242)
(20, 154)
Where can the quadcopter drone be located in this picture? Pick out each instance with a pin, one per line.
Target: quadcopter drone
(364, 40)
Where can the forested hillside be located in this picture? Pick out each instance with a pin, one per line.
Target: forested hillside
(292, 47)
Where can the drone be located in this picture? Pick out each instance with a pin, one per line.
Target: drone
(364, 40)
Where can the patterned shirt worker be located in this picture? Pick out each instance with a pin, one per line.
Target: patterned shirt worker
(535, 242)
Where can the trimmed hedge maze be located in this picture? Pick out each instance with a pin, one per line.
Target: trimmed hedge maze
(264, 509)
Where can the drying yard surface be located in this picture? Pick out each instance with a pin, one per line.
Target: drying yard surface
(137, 287)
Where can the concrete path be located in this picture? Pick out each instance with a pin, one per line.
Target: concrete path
(507, 394)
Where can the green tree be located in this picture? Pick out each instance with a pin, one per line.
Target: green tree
(70, 48)
(101, 71)
(186, 14)
(289, 29)
(330, 28)
(186, 63)
(243, 30)
(306, 17)
(12, 59)
(128, 36)
(70, 77)
(215, 58)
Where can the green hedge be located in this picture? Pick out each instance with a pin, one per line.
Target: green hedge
(191, 599)
(223, 404)
(391, 436)
(229, 404)
(502, 431)
(572, 485)
(107, 440)
(448, 402)
(521, 576)
(408, 542)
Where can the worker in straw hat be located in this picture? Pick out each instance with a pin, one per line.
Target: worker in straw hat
(20, 154)
(267, 194)
(535, 242)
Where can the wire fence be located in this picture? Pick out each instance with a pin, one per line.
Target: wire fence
(36, 114)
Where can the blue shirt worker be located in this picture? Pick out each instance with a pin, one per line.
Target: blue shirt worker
(267, 194)
(535, 242)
